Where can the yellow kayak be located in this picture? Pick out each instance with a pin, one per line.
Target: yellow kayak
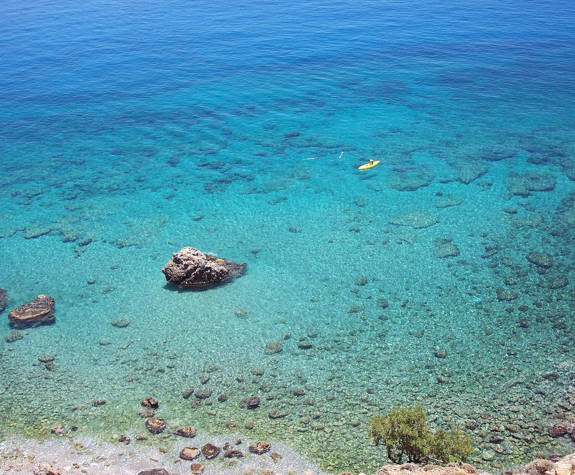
(371, 164)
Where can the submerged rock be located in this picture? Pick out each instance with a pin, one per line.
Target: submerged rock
(39, 311)
(440, 353)
(540, 259)
(46, 358)
(121, 322)
(146, 412)
(468, 170)
(187, 431)
(557, 430)
(251, 402)
(558, 282)
(3, 299)
(446, 201)
(523, 184)
(191, 268)
(505, 295)
(445, 248)
(415, 219)
(273, 347)
(150, 402)
(411, 178)
(187, 393)
(13, 336)
(155, 426)
(203, 393)
(276, 414)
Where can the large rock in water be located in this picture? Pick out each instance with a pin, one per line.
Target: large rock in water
(191, 268)
(39, 311)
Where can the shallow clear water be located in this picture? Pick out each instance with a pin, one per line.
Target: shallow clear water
(130, 130)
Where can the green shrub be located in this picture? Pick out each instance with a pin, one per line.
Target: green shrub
(404, 432)
(451, 446)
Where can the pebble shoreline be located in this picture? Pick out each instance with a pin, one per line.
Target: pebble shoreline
(65, 455)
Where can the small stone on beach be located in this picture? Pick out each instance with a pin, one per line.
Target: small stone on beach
(189, 453)
(210, 451)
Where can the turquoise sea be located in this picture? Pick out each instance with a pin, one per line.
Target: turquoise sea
(131, 129)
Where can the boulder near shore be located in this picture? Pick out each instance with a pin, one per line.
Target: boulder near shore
(191, 268)
(39, 311)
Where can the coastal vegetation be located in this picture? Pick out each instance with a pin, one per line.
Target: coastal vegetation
(404, 432)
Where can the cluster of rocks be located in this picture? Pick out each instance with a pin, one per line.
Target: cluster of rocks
(188, 268)
(191, 268)
(209, 451)
(522, 184)
(542, 263)
(555, 466)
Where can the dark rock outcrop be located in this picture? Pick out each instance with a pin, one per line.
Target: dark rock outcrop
(191, 268)
(39, 311)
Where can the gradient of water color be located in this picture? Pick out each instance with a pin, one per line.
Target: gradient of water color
(132, 129)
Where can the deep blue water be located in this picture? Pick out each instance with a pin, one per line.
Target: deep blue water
(131, 129)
